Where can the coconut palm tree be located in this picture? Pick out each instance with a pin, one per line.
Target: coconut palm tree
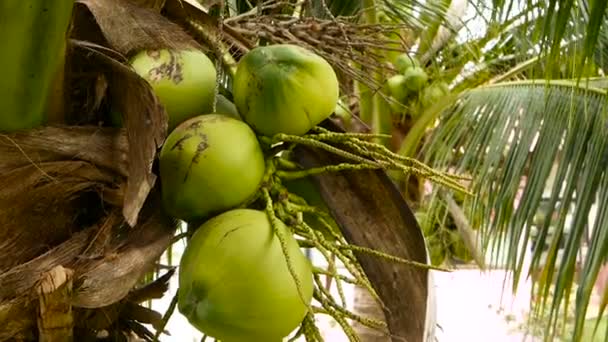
(517, 110)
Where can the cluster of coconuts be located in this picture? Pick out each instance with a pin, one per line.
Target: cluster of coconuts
(234, 280)
(410, 89)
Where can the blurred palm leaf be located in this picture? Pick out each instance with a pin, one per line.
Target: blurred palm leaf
(545, 140)
(600, 55)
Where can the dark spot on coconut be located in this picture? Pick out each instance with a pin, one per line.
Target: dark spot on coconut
(177, 75)
(230, 232)
(180, 143)
(171, 70)
(248, 104)
(196, 124)
(200, 148)
(156, 74)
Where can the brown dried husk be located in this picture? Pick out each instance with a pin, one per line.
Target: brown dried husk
(61, 194)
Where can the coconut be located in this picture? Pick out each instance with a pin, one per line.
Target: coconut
(434, 93)
(234, 280)
(183, 80)
(415, 78)
(208, 164)
(397, 86)
(284, 88)
(403, 62)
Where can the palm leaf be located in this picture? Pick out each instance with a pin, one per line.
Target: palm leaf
(595, 14)
(600, 55)
(551, 140)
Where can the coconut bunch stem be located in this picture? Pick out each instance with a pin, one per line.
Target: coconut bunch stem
(361, 154)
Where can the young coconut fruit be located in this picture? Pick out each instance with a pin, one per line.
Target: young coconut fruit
(234, 280)
(434, 93)
(415, 78)
(403, 62)
(397, 86)
(183, 80)
(284, 88)
(208, 164)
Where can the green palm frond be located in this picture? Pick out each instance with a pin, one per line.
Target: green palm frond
(585, 16)
(600, 56)
(537, 141)
(556, 22)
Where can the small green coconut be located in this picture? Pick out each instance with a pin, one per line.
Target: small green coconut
(403, 62)
(415, 78)
(183, 80)
(208, 164)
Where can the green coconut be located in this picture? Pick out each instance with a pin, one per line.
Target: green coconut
(284, 88)
(433, 93)
(234, 281)
(415, 78)
(397, 86)
(403, 62)
(208, 164)
(183, 80)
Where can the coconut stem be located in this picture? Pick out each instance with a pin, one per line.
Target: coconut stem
(364, 155)
(336, 315)
(311, 330)
(280, 235)
(327, 301)
(348, 259)
(337, 276)
(290, 175)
